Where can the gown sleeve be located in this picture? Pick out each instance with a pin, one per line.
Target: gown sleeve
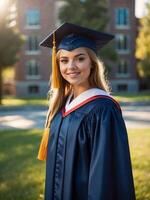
(110, 175)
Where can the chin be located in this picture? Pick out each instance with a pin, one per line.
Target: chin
(77, 82)
(73, 83)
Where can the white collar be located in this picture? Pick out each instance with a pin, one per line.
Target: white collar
(82, 97)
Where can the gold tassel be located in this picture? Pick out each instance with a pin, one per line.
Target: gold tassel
(42, 154)
(55, 79)
(43, 146)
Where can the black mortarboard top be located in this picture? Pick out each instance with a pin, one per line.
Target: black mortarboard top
(70, 36)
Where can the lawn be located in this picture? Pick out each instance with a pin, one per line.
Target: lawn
(140, 152)
(22, 175)
(13, 101)
(139, 97)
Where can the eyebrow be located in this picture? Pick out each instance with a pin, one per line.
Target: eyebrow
(80, 54)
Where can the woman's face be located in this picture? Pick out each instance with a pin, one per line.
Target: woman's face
(75, 66)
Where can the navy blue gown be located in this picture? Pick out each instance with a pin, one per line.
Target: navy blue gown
(88, 154)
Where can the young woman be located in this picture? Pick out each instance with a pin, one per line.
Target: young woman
(87, 152)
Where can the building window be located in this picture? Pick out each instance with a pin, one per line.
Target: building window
(122, 67)
(33, 43)
(32, 68)
(122, 42)
(33, 18)
(122, 17)
(122, 87)
(33, 89)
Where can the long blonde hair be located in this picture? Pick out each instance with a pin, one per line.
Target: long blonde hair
(97, 79)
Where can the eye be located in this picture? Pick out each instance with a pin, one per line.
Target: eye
(64, 61)
(81, 59)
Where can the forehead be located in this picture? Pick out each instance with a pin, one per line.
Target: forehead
(74, 52)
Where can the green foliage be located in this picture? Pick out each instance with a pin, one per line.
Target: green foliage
(85, 13)
(9, 46)
(107, 50)
(8, 73)
(144, 68)
(143, 47)
(10, 43)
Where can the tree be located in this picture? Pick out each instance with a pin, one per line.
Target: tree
(143, 47)
(85, 13)
(89, 13)
(10, 44)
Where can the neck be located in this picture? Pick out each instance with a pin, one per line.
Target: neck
(77, 90)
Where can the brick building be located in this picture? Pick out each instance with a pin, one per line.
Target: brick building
(123, 24)
(37, 18)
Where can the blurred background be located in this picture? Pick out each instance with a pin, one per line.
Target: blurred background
(25, 70)
(25, 67)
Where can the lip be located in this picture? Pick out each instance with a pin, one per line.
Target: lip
(73, 74)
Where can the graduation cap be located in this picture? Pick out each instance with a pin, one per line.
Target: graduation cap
(69, 37)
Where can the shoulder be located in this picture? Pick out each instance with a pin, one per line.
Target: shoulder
(106, 114)
(105, 102)
(103, 108)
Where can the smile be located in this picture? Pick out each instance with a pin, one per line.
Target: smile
(73, 73)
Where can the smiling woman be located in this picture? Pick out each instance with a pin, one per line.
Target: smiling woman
(85, 142)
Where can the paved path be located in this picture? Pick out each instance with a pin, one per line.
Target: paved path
(135, 117)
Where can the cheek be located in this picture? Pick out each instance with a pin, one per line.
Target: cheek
(63, 71)
(87, 68)
(62, 68)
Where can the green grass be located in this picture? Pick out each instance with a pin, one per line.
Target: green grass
(140, 97)
(22, 175)
(10, 101)
(140, 152)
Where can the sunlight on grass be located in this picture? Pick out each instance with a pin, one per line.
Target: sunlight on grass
(22, 175)
(140, 149)
(12, 101)
(140, 97)
(19, 102)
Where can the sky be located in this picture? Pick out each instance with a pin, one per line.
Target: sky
(140, 7)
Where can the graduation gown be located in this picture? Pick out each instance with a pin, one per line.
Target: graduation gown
(88, 154)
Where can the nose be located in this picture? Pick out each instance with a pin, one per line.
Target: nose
(72, 64)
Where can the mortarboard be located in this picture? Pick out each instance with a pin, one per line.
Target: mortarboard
(68, 37)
